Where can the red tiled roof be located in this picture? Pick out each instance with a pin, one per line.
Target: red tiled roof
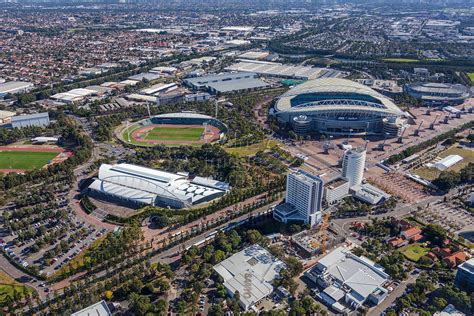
(412, 232)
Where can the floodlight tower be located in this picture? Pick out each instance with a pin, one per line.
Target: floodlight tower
(417, 131)
(434, 122)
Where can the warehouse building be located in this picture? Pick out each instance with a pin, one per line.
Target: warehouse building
(250, 272)
(279, 70)
(13, 87)
(227, 83)
(38, 119)
(135, 186)
(348, 281)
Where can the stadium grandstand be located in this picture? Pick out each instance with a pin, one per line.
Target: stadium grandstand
(135, 186)
(432, 93)
(184, 118)
(336, 106)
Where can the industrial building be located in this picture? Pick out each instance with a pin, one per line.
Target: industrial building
(348, 281)
(353, 164)
(432, 93)
(227, 83)
(465, 275)
(303, 201)
(134, 186)
(336, 106)
(6, 116)
(279, 70)
(251, 273)
(38, 119)
(13, 87)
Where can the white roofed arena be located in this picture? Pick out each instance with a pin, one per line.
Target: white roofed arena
(135, 186)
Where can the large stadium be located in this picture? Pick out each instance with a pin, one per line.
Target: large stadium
(432, 93)
(186, 128)
(135, 186)
(338, 107)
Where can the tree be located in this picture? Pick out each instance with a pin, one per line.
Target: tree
(440, 303)
(108, 295)
(435, 233)
(139, 304)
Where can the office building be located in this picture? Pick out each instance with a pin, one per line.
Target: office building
(335, 190)
(304, 194)
(250, 272)
(348, 281)
(353, 164)
(465, 276)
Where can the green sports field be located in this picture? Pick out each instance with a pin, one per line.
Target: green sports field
(471, 76)
(24, 160)
(414, 252)
(175, 133)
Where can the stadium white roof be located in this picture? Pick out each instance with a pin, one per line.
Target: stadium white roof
(151, 186)
(251, 273)
(340, 86)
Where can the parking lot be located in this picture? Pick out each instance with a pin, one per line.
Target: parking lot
(451, 217)
(41, 231)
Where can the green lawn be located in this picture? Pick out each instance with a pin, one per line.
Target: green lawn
(471, 76)
(401, 60)
(414, 252)
(251, 150)
(433, 173)
(8, 286)
(175, 133)
(24, 160)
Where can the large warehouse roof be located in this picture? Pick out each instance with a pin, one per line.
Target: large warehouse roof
(335, 93)
(277, 69)
(151, 186)
(359, 274)
(251, 273)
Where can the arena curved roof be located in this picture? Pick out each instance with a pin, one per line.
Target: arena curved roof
(184, 115)
(149, 186)
(438, 91)
(334, 94)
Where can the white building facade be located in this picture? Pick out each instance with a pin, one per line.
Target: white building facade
(303, 201)
(353, 165)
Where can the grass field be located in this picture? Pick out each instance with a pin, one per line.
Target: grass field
(175, 133)
(8, 286)
(433, 173)
(24, 160)
(401, 60)
(414, 252)
(471, 76)
(251, 150)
